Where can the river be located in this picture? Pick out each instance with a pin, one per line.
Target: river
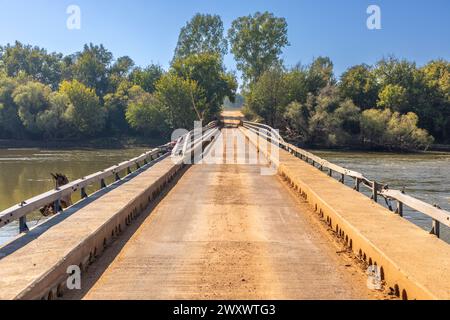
(425, 176)
(25, 173)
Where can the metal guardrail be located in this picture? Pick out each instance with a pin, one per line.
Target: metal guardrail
(189, 142)
(438, 215)
(20, 211)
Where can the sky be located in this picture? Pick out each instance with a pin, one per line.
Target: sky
(147, 30)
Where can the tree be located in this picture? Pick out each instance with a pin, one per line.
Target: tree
(394, 97)
(435, 111)
(359, 84)
(34, 61)
(52, 121)
(32, 100)
(147, 78)
(320, 74)
(145, 113)
(212, 81)
(119, 72)
(10, 124)
(115, 106)
(257, 42)
(268, 97)
(178, 97)
(91, 68)
(84, 111)
(203, 34)
(393, 130)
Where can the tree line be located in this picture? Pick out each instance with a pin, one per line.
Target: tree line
(392, 104)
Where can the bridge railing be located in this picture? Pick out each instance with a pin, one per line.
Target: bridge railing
(189, 142)
(438, 215)
(54, 197)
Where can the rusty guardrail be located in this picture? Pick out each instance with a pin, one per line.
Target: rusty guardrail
(438, 215)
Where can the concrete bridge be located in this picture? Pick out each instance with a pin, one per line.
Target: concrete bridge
(226, 228)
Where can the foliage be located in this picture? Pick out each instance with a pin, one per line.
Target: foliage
(257, 42)
(391, 129)
(212, 81)
(147, 78)
(359, 84)
(204, 33)
(145, 113)
(31, 100)
(178, 98)
(84, 111)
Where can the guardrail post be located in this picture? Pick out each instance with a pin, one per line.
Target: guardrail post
(128, 170)
(375, 191)
(57, 206)
(330, 172)
(102, 184)
(399, 208)
(23, 224)
(343, 178)
(357, 184)
(117, 176)
(83, 193)
(436, 228)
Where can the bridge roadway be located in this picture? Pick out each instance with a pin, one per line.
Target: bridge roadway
(225, 232)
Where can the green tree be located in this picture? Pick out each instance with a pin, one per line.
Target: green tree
(32, 100)
(146, 114)
(10, 124)
(212, 81)
(320, 74)
(359, 84)
(394, 97)
(84, 111)
(119, 72)
(147, 78)
(257, 42)
(116, 105)
(383, 128)
(34, 61)
(268, 97)
(91, 68)
(203, 34)
(178, 98)
(52, 122)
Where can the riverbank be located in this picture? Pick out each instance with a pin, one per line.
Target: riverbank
(123, 142)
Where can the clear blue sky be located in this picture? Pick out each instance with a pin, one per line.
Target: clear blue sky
(147, 30)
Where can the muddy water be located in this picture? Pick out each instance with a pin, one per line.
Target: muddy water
(425, 176)
(25, 173)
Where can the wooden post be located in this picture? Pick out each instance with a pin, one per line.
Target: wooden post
(102, 184)
(343, 178)
(330, 172)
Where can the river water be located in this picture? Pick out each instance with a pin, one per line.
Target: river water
(425, 176)
(25, 173)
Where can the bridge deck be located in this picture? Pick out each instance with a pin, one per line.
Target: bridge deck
(225, 232)
(414, 263)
